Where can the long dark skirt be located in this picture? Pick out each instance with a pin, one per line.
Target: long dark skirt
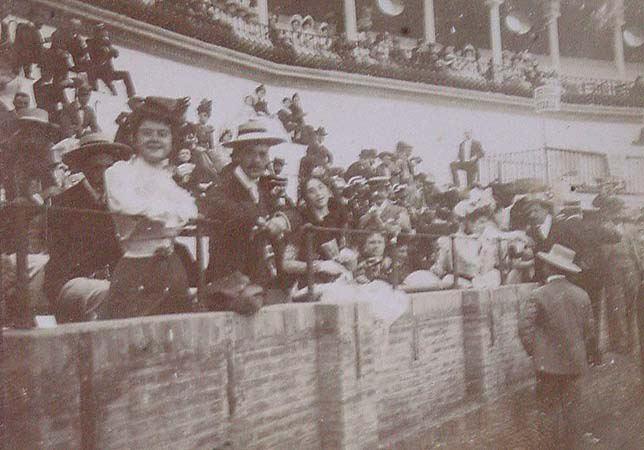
(149, 286)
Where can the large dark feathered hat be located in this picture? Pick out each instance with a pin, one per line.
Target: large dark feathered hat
(161, 108)
(205, 106)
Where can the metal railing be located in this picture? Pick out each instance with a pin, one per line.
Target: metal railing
(633, 170)
(546, 165)
(199, 229)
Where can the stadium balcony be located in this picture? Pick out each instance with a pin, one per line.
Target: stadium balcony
(244, 34)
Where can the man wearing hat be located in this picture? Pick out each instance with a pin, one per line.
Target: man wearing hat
(247, 231)
(470, 151)
(364, 167)
(83, 247)
(78, 116)
(555, 328)
(26, 153)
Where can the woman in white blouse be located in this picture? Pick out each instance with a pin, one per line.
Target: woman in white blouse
(150, 278)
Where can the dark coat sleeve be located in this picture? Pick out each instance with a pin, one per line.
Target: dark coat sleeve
(477, 150)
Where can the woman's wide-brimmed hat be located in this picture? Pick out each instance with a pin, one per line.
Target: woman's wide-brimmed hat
(255, 131)
(93, 144)
(560, 257)
(39, 119)
(307, 19)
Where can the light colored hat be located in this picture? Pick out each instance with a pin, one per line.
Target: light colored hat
(560, 257)
(255, 131)
(307, 19)
(294, 18)
(92, 144)
(39, 118)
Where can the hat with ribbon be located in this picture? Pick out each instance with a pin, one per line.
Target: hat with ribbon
(94, 144)
(295, 18)
(560, 257)
(255, 131)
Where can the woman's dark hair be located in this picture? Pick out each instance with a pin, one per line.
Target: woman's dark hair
(175, 129)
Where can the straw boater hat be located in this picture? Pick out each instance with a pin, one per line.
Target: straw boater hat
(35, 118)
(560, 257)
(255, 131)
(92, 144)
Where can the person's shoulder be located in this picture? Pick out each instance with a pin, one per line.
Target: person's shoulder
(119, 169)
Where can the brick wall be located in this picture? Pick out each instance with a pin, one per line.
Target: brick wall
(293, 376)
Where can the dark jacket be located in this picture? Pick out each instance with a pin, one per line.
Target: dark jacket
(80, 244)
(476, 150)
(233, 244)
(71, 122)
(555, 326)
(581, 235)
(359, 168)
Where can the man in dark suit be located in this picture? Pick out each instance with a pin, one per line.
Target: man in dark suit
(470, 152)
(78, 116)
(28, 46)
(244, 238)
(585, 235)
(555, 327)
(82, 246)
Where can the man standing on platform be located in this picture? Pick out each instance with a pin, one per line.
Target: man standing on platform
(470, 151)
(555, 327)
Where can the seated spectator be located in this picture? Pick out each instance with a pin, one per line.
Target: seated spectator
(261, 106)
(470, 64)
(331, 259)
(386, 215)
(101, 66)
(78, 117)
(203, 130)
(286, 117)
(150, 278)
(83, 248)
(26, 154)
(470, 152)
(210, 163)
(183, 164)
(364, 167)
(373, 263)
(247, 236)
(124, 133)
(28, 46)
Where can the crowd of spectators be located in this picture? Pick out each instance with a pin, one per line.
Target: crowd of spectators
(380, 223)
(303, 41)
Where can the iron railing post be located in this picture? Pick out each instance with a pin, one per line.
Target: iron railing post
(200, 263)
(22, 308)
(454, 268)
(310, 282)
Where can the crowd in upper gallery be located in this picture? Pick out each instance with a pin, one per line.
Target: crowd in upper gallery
(303, 40)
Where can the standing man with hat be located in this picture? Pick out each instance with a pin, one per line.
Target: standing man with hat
(83, 248)
(101, 67)
(244, 240)
(555, 327)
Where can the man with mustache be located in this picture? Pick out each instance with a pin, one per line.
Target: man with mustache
(246, 227)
